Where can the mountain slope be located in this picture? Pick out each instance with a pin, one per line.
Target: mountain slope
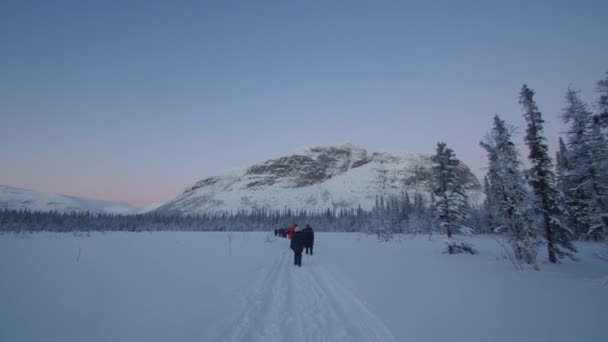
(345, 176)
(17, 199)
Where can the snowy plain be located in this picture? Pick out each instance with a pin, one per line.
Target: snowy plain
(178, 286)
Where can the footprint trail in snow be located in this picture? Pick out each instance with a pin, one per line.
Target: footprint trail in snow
(303, 304)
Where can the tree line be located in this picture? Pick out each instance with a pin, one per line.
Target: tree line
(398, 215)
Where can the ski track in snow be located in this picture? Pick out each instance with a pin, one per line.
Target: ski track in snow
(305, 303)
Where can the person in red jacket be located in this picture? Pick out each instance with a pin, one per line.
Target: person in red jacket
(291, 230)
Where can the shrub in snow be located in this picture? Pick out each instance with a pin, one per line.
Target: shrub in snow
(520, 253)
(457, 247)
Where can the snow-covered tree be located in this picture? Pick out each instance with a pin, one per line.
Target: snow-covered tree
(587, 159)
(421, 218)
(450, 198)
(507, 187)
(602, 104)
(489, 209)
(379, 222)
(569, 197)
(542, 181)
(561, 165)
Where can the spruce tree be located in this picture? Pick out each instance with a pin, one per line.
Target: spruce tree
(507, 188)
(561, 165)
(587, 159)
(542, 181)
(451, 199)
(568, 194)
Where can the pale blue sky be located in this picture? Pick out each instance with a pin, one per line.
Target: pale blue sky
(137, 101)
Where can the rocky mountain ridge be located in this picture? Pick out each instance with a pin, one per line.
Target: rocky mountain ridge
(343, 176)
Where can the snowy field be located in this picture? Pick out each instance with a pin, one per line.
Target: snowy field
(193, 287)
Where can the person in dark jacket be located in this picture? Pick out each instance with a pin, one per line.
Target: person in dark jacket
(309, 238)
(276, 232)
(297, 245)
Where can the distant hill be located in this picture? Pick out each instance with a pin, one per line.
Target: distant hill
(17, 199)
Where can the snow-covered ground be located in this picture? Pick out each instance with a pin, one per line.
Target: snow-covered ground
(194, 287)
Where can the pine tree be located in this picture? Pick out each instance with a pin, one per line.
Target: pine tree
(542, 180)
(507, 188)
(587, 158)
(451, 200)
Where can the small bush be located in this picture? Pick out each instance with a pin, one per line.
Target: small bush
(457, 247)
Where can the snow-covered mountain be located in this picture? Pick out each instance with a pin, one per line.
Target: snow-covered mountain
(17, 199)
(317, 178)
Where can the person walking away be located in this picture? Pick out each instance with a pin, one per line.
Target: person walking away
(309, 238)
(297, 245)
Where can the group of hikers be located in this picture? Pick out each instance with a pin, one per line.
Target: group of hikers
(301, 239)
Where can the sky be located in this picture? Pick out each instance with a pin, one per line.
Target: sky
(136, 100)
